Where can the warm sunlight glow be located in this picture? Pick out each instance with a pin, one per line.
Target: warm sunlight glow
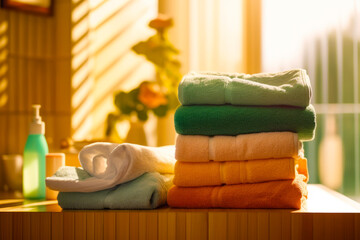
(3, 69)
(3, 27)
(80, 76)
(3, 41)
(80, 45)
(80, 29)
(3, 55)
(10, 201)
(331, 155)
(215, 31)
(333, 203)
(80, 11)
(285, 28)
(3, 99)
(102, 36)
(82, 93)
(29, 206)
(3, 84)
(3, 63)
(102, 12)
(80, 58)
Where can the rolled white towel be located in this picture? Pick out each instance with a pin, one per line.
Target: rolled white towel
(111, 164)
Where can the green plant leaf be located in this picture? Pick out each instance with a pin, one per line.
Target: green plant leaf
(111, 121)
(127, 102)
(142, 115)
(161, 110)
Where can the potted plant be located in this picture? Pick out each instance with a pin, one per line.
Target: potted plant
(158, 95)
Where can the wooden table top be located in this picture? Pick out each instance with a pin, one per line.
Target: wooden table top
(320, 199)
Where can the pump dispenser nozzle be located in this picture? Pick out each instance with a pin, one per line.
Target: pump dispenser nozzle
(36, 126)
(36, 113)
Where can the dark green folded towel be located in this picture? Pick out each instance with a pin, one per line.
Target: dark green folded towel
(234, 120)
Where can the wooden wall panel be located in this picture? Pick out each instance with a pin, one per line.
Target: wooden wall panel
(4, 80)
(114, 28)
(39, 63)
(36, 46)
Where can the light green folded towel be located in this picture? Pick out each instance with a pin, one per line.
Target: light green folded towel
(148, 191)
(291, 88)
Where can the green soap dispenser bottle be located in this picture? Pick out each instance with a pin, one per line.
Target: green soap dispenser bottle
(34, 158)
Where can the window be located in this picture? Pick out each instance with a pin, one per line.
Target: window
(322, 37)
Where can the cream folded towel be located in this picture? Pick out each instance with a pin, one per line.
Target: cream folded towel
(111, 164)
(197, 148)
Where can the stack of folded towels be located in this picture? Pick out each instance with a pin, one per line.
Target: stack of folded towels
(240, 140)
(116, 176)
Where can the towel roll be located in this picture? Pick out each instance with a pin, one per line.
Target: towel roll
(111, 164)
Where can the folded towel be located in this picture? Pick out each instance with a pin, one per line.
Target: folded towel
(275, 194)
(145, 192)
(234, 120)
(236, 172)
(111, 164)
(290, 88)
(197, 148)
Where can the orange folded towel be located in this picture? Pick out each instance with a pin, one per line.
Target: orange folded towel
(275, 194)
(217, 173)
(191, 148)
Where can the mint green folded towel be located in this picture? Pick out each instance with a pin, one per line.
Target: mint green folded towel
(291, 88)
(233, 120)
(148, 191)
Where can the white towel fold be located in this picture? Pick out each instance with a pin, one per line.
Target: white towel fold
(111, 164)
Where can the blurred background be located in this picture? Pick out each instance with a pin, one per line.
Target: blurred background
(102, 73)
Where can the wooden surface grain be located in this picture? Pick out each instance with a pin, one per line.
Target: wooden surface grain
(329, 216)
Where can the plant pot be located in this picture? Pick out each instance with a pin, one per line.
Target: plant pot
(136, 133)
(166, 134)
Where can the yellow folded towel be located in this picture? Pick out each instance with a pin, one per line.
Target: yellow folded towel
(237, 172)
(197, 148)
